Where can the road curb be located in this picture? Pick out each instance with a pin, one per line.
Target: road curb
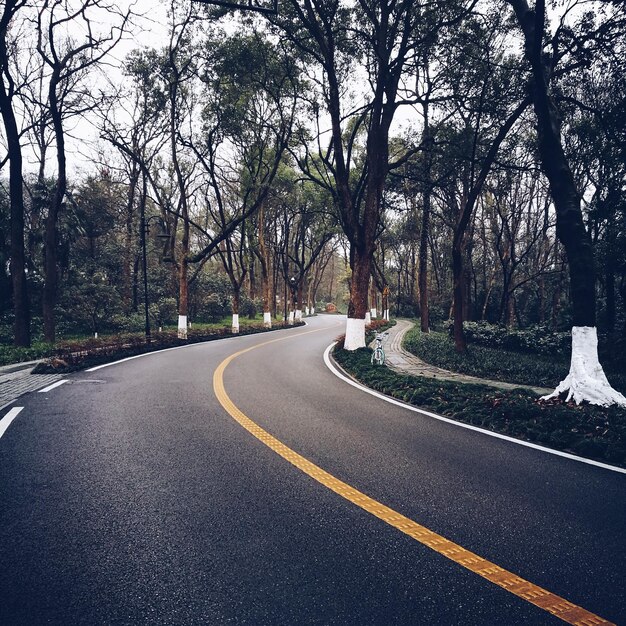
(335, 369)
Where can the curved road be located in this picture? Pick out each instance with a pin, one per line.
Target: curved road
(130, 495)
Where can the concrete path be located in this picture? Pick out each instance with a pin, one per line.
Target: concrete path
(16, 380)
(399, 360)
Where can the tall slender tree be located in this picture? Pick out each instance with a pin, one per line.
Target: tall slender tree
(68, 60)
(21, 312)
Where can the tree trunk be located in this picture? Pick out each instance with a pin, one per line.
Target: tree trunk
(21, 311)
(358, 306)
(373, 300)
(298, 300)
(586, 379)
(183, 302)
(385, 303)
(423, 249)
(460, 344)
(264, 262)
(610, 298)
(129, 238)
(235, 304)
(54, 210)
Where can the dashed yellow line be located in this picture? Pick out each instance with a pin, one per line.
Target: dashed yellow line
(550, 602)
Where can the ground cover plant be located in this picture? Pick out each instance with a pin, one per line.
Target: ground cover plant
(593, 432)
(498, 363)
(71, 356)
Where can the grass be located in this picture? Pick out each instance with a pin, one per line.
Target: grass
(76, 355)
(592, 432)
(40, 350)
(496, 363)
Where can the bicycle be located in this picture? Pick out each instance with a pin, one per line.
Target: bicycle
(378, 355)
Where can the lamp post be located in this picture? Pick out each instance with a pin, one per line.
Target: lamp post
(145, 230)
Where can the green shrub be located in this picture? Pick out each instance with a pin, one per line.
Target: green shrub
(12, 354)
(495, 363)
(215, 307)
(539, 339)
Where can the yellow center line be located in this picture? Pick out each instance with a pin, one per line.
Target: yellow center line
(550, 602)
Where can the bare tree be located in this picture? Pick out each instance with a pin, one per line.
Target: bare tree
(21, 325)
(68, 59)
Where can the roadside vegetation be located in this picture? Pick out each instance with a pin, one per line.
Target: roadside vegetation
(79, 353)
(537, 357)
(592, 432)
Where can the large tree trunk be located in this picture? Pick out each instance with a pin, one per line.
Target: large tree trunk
(358, 306)
(21, 323)
(586, 379)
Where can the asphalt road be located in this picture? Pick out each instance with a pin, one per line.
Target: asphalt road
(129, 495)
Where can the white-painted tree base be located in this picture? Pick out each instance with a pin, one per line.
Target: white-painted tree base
(386, 315)
(182, 327)
(355, 334)
(373, 313)
(312, 310)
(298, 315)
(267, 319)
(368, 318)
(235, 327)
(586, 381)
(291, 317)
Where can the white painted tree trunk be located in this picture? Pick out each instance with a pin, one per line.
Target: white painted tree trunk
(312, 310)
(306, 310)
(267, 319)
(182, 327)
(386, 315)
(291, 317)
(355, 334)
(235, 322)
(368, 318)
(373, 313)
(298, 315)
(586, 380)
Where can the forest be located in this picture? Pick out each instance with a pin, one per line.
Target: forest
(456, 161)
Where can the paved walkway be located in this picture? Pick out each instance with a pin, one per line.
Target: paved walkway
(404, 362)
(16, 380)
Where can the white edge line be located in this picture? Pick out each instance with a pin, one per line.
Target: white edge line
(5, 422)
(52, 386)
(409, 407)
(189, 345)
(138, 356)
